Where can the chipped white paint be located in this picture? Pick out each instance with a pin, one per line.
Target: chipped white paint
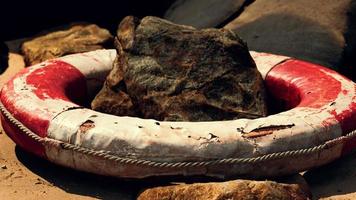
(265, 61)
(26, 99)
(343, 100)
(142, 138)
(95, 65)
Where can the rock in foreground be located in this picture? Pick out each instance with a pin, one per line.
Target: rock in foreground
(238, 189)
(76, 39)
(178, 73)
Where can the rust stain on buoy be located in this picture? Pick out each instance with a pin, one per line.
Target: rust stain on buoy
(263, 131)
(87, 125)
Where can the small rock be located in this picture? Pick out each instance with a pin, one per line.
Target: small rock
(75, 39)
(9, 175)
(174, 72)
(237, 189)
(349, 196)
(39, 181)
(4, 57)
(3, 167)
(202, 15)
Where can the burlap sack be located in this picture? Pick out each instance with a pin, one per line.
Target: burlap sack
(320, 31)
(203, 14)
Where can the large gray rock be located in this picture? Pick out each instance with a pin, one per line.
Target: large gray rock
(317, 31)
(75, 39)
(203, 14)
(174, 72)
(234, 190)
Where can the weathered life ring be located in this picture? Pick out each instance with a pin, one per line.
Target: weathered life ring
(41, 111)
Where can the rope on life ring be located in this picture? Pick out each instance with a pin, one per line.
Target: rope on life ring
(122, 160)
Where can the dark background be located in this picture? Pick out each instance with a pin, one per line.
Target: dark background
(20, 19)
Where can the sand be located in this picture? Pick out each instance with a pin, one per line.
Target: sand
(23, 176)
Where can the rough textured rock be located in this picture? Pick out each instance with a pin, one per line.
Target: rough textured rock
(238, 189)
(4, 57)
(319, 31)
(174, 72)
(203, 15)
(350, 196)
(76, 39)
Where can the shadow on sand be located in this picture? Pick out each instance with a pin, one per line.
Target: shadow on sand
(336, 178)
(87, 184)
(77, 182)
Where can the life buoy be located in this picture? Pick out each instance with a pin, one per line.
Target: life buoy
(42, 112)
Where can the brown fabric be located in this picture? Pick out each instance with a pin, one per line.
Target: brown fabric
(309, 30)
(208, 13)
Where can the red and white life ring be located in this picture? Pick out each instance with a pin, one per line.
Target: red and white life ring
(42, 112)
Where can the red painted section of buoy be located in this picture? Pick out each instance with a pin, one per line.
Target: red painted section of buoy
(36, 119)
(302, 84)
(22, 140)
(49, 84)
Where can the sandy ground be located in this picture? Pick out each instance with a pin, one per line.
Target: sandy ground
(23, 176)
